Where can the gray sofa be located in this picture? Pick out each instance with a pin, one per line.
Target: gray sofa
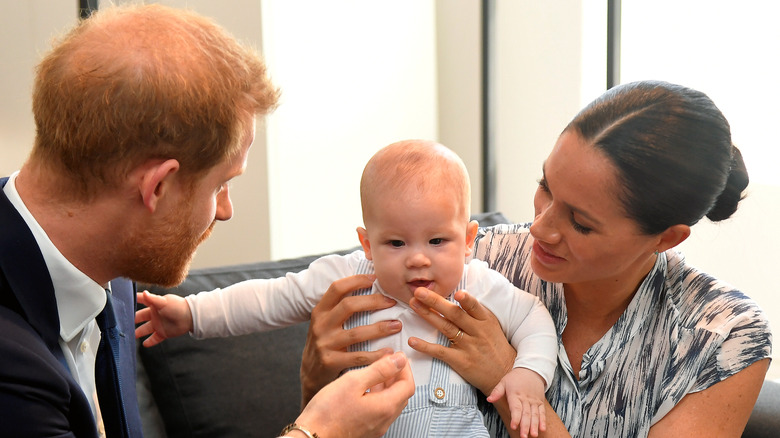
(249, 385)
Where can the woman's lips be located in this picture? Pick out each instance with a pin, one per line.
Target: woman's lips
(545, 256)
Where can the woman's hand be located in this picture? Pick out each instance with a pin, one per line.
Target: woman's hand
(481, 353)
(325, 355)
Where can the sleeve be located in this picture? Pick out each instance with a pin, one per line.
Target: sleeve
(748, 339)
(502, 248)
(265, 304)
(524, 319)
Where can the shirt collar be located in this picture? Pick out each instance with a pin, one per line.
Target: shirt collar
(79, 298)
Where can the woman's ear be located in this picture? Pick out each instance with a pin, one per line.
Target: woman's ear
(363, 236)
(471, 235)
(155, 181)
(672, 236)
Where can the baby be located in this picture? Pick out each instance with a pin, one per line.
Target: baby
(415, 197)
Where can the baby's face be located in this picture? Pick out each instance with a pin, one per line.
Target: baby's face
(418, 242)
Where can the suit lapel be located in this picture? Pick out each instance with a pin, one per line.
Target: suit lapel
(30, 284)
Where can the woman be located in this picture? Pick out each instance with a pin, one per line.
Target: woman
(648, 346)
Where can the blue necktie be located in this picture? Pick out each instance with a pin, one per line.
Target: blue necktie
(106, 375)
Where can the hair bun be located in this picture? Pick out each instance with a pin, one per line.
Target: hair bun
(727, 201)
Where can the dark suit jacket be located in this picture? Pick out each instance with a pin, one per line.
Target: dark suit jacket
(38, 396)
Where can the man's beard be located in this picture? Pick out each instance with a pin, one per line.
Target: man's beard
(162, 255)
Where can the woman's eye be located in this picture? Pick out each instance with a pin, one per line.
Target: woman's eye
(437, 241)
(578, 227)
(396, 243)
(543, 185)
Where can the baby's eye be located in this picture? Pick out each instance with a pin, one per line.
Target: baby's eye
(397, 243)
(437, 241)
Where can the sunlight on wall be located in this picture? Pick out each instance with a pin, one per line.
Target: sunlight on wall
(355, 76)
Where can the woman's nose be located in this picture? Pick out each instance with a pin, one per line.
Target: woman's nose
(545, 225)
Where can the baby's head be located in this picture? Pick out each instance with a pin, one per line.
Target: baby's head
(416, 201)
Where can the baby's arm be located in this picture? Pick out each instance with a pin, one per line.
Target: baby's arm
(536, 343)
(531, 331)
(248, 306)
(164, 317)
(524, 390)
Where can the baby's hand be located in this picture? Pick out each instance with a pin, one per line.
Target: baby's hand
(524, 390)
(164, 317)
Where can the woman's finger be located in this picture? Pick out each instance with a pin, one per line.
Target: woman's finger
(471, 306)
(439, 312)
(483, 340)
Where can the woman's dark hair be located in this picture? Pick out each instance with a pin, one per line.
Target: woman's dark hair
(672, 148)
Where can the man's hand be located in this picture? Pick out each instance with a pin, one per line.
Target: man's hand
(346, 407)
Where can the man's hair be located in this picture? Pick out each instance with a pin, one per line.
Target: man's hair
(137, 83)
(411, 166)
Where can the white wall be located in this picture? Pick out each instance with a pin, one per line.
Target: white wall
(355, 76)
(26, 29)
(539, 86)
(459, 64)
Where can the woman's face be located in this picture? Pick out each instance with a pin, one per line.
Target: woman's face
(582, 235)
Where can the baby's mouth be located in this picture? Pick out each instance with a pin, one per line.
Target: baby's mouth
(420, 283)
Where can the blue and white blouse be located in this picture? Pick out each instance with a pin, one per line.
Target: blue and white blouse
(683, 332)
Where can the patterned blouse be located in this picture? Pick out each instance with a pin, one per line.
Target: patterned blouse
(683, 332)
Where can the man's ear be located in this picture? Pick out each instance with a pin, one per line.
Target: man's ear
(156, 180)
(471, 235)
(672, 236)
(363, 236)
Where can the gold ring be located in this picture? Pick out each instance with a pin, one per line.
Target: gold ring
(458, 337)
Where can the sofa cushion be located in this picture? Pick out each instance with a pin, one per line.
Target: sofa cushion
(765, 419)
(232, 387)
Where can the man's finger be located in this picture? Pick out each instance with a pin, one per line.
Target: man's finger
(384, 369)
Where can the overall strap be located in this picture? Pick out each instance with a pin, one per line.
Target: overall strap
(360, 318)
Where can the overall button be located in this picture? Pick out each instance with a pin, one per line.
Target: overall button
(439, 393)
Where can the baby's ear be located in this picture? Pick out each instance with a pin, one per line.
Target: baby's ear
(363, 236)
(471, 235)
